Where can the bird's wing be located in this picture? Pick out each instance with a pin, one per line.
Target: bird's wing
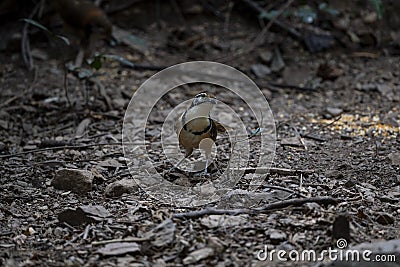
(222, 127)
(178, 125)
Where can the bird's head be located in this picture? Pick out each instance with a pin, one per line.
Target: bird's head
(203, 99)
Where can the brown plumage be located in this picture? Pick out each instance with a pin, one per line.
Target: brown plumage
(84, 17)
(195, 128)
(85, 20)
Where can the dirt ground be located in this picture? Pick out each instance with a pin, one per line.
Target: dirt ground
(337, 137)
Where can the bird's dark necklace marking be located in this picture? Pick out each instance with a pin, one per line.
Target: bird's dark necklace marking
(196, 133)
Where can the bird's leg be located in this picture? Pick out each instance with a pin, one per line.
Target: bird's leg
(176, 165)
(206, 145)
(205, 173)
(187, 154)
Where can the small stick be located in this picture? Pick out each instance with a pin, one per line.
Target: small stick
(25, 44)
(281, 171)
(66, 86)
(128, 239)
(263, 209)
(264, 31)
(285, 189)
(324, 126)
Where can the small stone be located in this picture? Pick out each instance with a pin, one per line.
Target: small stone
(334, 111)
(276, 236)
(385, 218)
(84, 215)
(394, 158)
(385, 90)
(119, 103)
(260, 70)
(217, 244)
(277, 63)
(350, 183)
(198, 255)
(370, 17)
(120, 187)
(368, 87)
(77, 181)
(266, 56)
(334, 174)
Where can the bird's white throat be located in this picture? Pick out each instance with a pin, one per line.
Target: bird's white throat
(199, 111)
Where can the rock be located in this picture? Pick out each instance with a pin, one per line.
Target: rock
(119, 103)
(110, 163)
(276, 236)
(342, 23)
(384, 218)
(163, 234)
(198, 255)
(351, 182)
(277, 62)
(214, 221)
(296, 75)
(291, 141)
(120, 187)
(266, 56)
(334, 174)
(329, 72)
(121, 248)
(217, 244)
(77, 181)
(82, 127)
(84, 215)
(370, 17)
(394, 158)
(385, 90)
(260, 70)
(334, 111)
(239, 198)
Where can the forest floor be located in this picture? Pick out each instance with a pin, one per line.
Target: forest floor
(336, 137)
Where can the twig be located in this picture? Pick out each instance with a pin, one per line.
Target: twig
(299, 137)
(66, 86)
(285, 189)
(144, 67)
(24, 93)
(274, 86)
(128, 239)
(57, 148)
(313, 137)
(324, 126)
(259, 39)
(103, 92)
(261, 36)
(278, 23)
(281, 171)
(264, 209)
(86, 232)
(228, 16)
(25, 44)
(301, 182)
(178, 11)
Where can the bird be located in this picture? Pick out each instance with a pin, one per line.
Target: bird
(195, 128)
(85, 20)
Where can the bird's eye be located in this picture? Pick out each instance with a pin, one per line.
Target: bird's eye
(201, 95)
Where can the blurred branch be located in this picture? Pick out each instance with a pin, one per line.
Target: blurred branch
(25, 44)
(262, 14)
